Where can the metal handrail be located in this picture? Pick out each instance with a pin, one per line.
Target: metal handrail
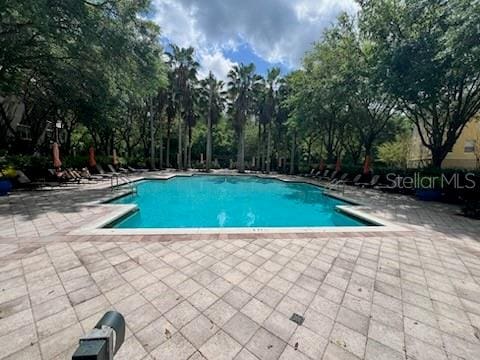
(334, 186)
(126, 181)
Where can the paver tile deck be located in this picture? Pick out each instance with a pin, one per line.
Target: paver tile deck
(406, 295)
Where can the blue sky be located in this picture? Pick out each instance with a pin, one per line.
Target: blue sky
(245, 54)
(265, 32)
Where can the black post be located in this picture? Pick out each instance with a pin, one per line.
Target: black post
(103, 342)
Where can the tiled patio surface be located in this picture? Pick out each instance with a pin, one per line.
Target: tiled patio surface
(378, 296)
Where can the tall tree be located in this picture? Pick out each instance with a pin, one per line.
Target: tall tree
(171, 112)
(184, 68)
(323, 96)
(298, 118)
(259, 96)
(241, 85)
(213, 101)
(429, 54)
(42, 43)
(370, 108)
(269, 110)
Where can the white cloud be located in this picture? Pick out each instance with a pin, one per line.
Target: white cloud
(279, 31)
(178, 23)
(215, 62)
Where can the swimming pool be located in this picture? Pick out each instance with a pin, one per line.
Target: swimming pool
(205, 201)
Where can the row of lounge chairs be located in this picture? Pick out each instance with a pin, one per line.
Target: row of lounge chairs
(120, 171)
(71, 176)
(333, 178)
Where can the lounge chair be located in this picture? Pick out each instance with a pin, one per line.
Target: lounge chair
(136, 170)
(310, 174)
(341, 180)
(84, 176)
(58, 176)
(74, 176)
(62, 176)
(333, 184)
(331, 177)
(392, 185)
(87, 175)
(396, 186)
(320, 176)
(102, 172)
(355, 180)
(24, 181)
(370, 184)
(112, 170)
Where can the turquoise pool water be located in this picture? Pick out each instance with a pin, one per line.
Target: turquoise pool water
(230, 201)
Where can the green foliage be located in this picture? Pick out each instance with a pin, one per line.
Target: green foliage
(212, 104)
(242, 88)
(395, 153)
(472, 208)
(35, 166)
(212, 98)
(98, 67)
(428, 56)
(223, 139)
(183, 82)
(76, 61)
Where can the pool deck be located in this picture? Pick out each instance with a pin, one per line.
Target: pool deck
(408, 292)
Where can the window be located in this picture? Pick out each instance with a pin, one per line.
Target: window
(469, 146)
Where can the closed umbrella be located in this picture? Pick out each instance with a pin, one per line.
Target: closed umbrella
(322, 165)
(367, 165)
(115, 158)
(56, 156)
(338, 167)
(91, 157)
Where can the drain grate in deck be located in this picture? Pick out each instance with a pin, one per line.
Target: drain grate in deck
(297, 319)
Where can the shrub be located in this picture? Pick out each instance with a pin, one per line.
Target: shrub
(471, 209)
(395, 153)
(34, 166)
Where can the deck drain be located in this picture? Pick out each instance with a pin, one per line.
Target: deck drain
(297, 319)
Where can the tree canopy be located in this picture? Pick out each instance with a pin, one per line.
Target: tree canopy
(79, 61)
(371, 78)
(428, 55)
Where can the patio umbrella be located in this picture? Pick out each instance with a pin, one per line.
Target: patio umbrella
(91, 157)
(56, 156)
(322, 165)
(338, 166)
(114, 157)
(367, 165)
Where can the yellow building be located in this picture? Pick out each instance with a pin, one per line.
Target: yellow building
(464, 155)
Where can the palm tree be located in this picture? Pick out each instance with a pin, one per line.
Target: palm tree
(171, 112)
(241, 91)
(161, 102)
(184, 68)
(213, 99)
(269, 109)
(259, 102)
(191, 117)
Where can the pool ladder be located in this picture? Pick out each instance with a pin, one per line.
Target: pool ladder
(126, 181)
(335, 186)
